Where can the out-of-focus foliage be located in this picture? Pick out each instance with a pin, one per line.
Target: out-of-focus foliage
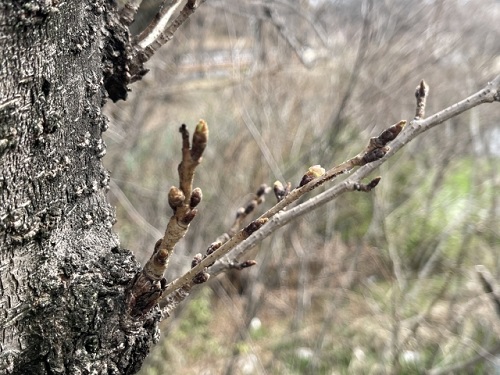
(370, 284)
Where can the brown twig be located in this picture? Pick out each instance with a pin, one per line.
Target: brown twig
(161, 30)
(313, 178)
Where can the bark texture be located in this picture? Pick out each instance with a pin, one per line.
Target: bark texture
(63, 276)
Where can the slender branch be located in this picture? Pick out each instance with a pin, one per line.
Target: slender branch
(488, 94)
(128, 12)
(314, 177)
(276, 217)
(161, 30)
(149, 284)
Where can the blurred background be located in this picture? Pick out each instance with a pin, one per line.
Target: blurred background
(378, 283)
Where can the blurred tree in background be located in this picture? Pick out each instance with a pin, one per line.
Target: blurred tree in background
(369, 284)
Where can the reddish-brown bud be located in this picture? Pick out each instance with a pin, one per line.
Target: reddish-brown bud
(374, 155)
(248, 263)
(196, 260)
(390, 133)
(189, 216)
(196, 197)
(255, 225)
(201, 278)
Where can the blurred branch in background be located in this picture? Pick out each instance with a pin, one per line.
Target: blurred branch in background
(365, 308)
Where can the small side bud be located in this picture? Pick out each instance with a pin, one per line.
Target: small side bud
(248, 263)
(196, 197)
(374, 155)
(213, 246)
(422, 90)
(280, 191)
(391, 133)
(196, 260)
(200, 139)
(368, 187)
(263, 189)
(175, 197)
(313, 172)
(201, 278)
(254, 226)
(189, 216)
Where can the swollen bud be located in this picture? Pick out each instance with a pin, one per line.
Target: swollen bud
(200, 139)
(313, 172)
(175, 197)
(196, 197)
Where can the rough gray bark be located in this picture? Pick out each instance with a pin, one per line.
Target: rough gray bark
(63, 277)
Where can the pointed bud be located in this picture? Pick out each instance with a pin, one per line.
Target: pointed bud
(390, 133)
(200, 139)
(422, 90)
(280, 191)
(248, 263)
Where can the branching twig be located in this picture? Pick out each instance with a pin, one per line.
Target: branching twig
(489, 94)
(376, 153)
(314, 177)
(149, 283)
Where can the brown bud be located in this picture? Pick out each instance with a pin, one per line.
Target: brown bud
(201, 278)
(248, 263)
(422, 90)
(255, 225)
(313, 172)
(250, 207)
(368, 187)
(374, 155)
(196, 197)
(189, 216)
(196, 260)
(213, 246)
(175, 197)
(200, 138)
(390, 133)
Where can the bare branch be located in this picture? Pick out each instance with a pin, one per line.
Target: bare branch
(488, 94)
(161, 30)
(128, 12)
(374, 154)
(313, 178)
(149, 284)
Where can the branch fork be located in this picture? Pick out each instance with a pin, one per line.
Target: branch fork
(150, 283)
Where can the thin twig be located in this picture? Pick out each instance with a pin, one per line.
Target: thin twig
(276, 217)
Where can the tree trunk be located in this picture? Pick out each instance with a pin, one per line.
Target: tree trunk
(63, 276)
